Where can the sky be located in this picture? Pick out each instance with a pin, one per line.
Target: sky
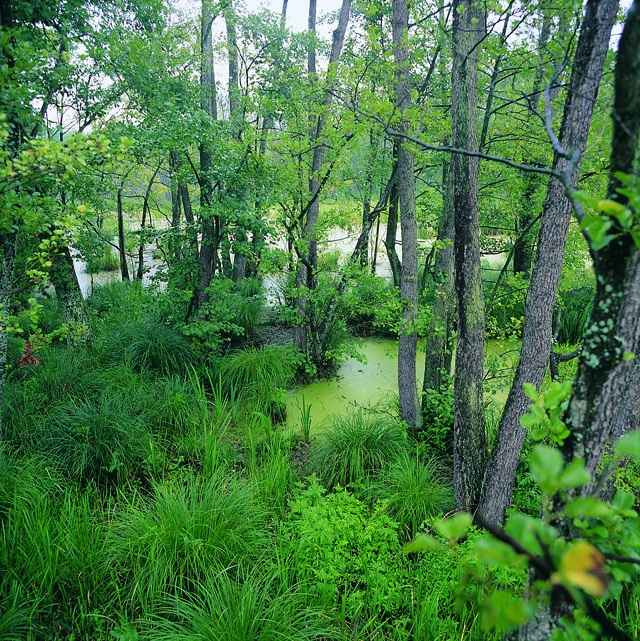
(297, 10)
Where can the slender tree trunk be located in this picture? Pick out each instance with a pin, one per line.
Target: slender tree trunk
(318, 128)
(437, 364)
(523, 248)
(122, 249)
(392, 222)
(366, 198)
(176, 207)
(469, 437)
(591, 51)
(208, 102)
(405, 180)
(143, 225)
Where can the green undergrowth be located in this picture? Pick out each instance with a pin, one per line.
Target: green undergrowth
(149, 492)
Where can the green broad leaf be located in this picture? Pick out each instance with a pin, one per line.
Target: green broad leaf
(421, 543)
(629, 446)
(587, 506)
(623, 500)
(597, 227)
(628, 356)
(556, 394)
(528, 530)
(503, 611)
(575, 474)
(545, 464)
(454, 528)
(490, 550)
(610, 207)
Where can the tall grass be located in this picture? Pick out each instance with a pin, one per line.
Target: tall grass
(254, 608)
(95, 441)
(357, 446)
(183, 533)
(258, 375)
(146, 345)
(413, 490)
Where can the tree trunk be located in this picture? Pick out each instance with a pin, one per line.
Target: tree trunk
(406, 182)
(468, 436)
(591, 51)
(208, 102)
(65, 281)
(232, 53)
(392, 222)
(143, 225)
(122, 250)
(437, 364)
(318, 128)
(606, 379)
(523, 248)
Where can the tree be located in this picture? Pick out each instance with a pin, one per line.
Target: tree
(469, 437)
(406, 186)
(591, 50)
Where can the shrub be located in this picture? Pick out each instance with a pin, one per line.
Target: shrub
(254, 608)
(437, 420)
(231, 313)
(413, 491)
(184, 532)
(357, 446)
(346, 557)
(372, 306)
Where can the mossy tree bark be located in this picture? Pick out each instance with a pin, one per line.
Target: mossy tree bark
(607, 384)
(591, 51)
(468, 433)
(437, 364)
(406, 182)
(210, 224)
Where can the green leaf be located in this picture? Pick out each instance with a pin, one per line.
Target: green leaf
(502, 611)
(421, 543)
(454, 528)
(574, 475)
(546, 465)
(587, 506)
(629, 446)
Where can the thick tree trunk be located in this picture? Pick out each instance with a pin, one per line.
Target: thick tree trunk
(65, 281)
(469, 437)
(7, 245)
(591, 51)
(437, 364)
(122, 249)
(607, 384)
(406, 182)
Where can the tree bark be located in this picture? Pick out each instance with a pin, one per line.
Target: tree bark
(469, 437)
(65, 281)
(208, 103)
(143, 225)
(392, 222)
(591, 51)
(122, 250)
(437, 364)
(607, 384)
(406, 182)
